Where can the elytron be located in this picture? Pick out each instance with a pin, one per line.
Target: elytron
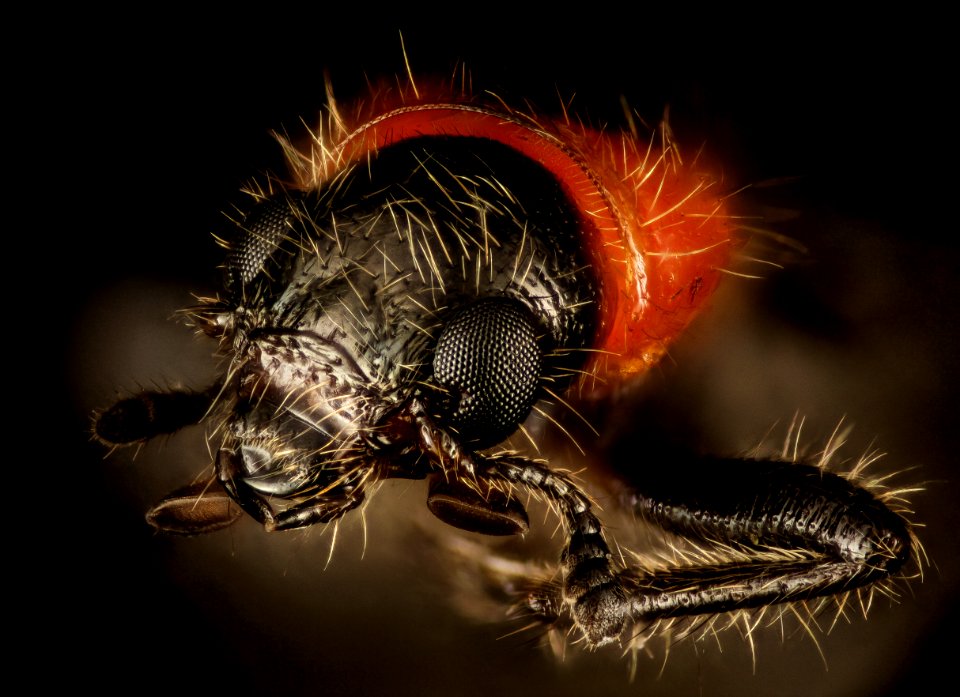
(440, 268)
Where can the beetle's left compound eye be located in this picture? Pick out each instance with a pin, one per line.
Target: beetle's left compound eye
(250, 255)
(489, 362)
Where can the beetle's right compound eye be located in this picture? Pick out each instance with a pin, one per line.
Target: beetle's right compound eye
(489, 362)
(261, 232)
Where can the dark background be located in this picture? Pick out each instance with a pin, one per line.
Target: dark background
(140, 138)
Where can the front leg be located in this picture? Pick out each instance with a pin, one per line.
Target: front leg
(593, 589)
(763, 533)
(796, 532)
(593, 586)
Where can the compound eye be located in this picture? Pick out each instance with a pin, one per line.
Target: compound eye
(488, 362)
(251, 253)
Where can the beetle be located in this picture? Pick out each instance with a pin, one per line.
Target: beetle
(441, 268)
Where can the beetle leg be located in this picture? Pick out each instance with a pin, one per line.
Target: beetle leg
(592, 587)
(779, 532)
(796, 532)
